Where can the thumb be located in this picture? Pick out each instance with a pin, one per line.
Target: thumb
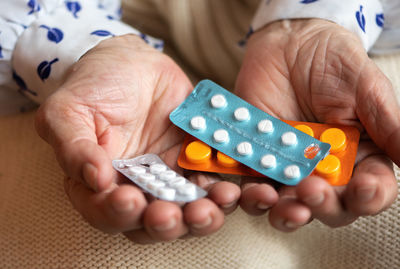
(70, 129)
(379, 111)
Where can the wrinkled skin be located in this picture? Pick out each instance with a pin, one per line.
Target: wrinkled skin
(116, 100)
(115, 103)
(315, 70)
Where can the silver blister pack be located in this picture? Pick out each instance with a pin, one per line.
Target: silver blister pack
(151, 174)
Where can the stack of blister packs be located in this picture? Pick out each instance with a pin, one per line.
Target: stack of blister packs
(228, 135)
(225, 134)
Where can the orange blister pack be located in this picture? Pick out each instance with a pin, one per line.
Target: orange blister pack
(336, 168)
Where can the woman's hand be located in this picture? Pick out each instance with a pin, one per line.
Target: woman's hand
(314, 70)
(114, 104)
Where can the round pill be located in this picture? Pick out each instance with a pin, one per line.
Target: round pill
(121, 166)
(136, 170)
(244, 148)
(289, 139)
(218, 101)
(292, 172)
(221, 136)
(305, 129)
(144, 178)
(188, 189)
(336, 138)
(167, 175)
(198, 152)
(166, 193)
(268, 161)
(176, 182)
(265, 126)
(242, 114)
(328, 167)
(157, 168)
(225, 160)
(155, 185)
(198, 123)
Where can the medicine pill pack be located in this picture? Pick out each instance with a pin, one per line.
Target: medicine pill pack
(248, 135)
(336, 168)
(198, 156)
(151, 174)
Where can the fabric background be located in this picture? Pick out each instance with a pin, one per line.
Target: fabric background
(39, 228)
(202, 35)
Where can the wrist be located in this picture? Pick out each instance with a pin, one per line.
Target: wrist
(297, 32)
(363, 18)
(128, 43)
(289, 40)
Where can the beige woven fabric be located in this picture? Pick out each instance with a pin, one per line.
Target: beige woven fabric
(39, 229)
(203, 34)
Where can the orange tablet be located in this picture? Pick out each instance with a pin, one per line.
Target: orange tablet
(336, 168)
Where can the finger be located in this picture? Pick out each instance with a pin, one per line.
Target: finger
(378, 110)
(324, 201)
(164, 221)
(140, 236)
(257, 195)
(114, 211)
(86, 161)
(373, 187)
(224, 194)
(288, 214)
(203, 180)
(203, 217)
(74, 142)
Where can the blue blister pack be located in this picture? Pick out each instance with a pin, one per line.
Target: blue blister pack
(247, 134)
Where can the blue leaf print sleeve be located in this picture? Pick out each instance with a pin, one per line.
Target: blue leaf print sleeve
(38, 49)
(21, 84)
(243, 42)
(53, 34)
(44, 68)
(380, 20)
(34, 6)
(74, 7)
(308, 1)
(101, 33)
(361, 18)
(144, 37)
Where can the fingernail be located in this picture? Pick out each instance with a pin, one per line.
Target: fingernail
(89, 172)
(248, 185)
(263, 206)
(166, 226)
(123, 206)
(204, 224)
(366, 194)
(291, 225)
(314, 200)
(228, 205)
